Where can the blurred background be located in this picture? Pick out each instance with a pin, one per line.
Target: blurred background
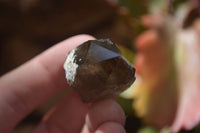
(148, 34)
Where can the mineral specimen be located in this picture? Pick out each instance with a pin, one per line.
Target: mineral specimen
(96, 69)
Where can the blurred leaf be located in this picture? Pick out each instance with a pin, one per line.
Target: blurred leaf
(165, 130)
(178, 3)
(128, 54)
(194, 130)
(197, 129)
(137, 7)
(126, 104)
(128, 94)
(157, 6)
(147, 129)
(161, 6)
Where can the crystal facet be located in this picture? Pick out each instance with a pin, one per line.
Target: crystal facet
(96, 69)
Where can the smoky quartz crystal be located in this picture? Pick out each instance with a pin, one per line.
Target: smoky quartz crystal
(97, 69)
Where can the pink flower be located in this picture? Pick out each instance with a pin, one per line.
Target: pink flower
(167, 63)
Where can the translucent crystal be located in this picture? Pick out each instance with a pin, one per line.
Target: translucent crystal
(96, 69)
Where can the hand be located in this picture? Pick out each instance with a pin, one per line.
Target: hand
(26, 87)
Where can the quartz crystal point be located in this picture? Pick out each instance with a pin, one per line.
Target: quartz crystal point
(96, 69)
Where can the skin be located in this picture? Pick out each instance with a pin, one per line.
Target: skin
(25, 88)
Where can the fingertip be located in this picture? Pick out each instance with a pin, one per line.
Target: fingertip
(104, 111)
(83, 36)
(62, 48)
(110, 127)
(77, 40)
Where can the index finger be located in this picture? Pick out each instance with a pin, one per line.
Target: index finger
(31, 84)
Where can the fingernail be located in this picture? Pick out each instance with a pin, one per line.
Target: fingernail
(98, 131)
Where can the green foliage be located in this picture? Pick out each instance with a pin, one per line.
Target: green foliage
(136, 7)
(126, 104)
(147, 129)
(194, 130)
(156, 6)
(128, 54)
(178, 3)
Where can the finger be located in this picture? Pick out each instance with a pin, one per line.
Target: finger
(107, 127)
(102, 112)
(110, 127)
(67, 117)
(32, 83)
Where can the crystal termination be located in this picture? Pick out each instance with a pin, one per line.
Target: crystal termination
(97, 69)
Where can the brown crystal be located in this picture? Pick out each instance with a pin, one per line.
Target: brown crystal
(96, 69)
